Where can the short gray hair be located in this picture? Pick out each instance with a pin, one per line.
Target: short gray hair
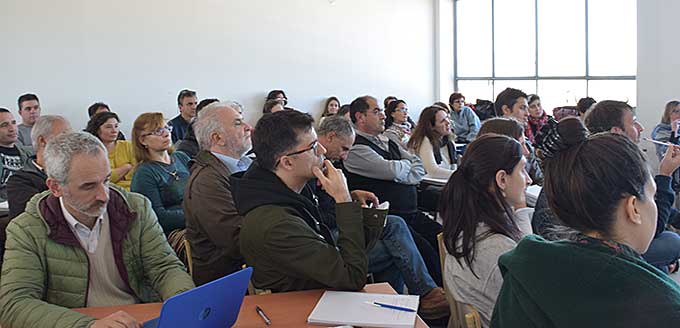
(337, 124)
(60, 151)
(207, 122)
(43, 126)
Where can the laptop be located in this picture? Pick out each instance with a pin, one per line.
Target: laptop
(215, 304)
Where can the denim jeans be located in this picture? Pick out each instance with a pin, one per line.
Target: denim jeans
(395, 259)
(664, 250)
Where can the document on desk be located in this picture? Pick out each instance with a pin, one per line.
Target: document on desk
(357, 309)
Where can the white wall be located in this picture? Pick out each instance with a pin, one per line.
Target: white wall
(136, 55)
(658, 61)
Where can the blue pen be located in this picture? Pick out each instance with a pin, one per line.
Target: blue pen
(394, 307)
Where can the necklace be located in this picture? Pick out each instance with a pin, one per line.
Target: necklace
(172, 173)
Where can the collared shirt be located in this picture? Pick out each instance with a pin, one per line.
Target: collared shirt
(233, 164)
(365, 161)
(89, 238)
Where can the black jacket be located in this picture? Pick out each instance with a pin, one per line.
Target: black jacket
(22, 185)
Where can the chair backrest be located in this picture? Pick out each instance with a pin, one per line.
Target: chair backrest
(187, 252)
(463, 315)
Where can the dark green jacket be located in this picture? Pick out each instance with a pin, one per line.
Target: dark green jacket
(45, 271)
(583, 283)
(289, 249)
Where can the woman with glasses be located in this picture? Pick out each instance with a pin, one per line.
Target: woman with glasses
(106, 127)
(431, 141)
(465, 122)
(397, 123)
(162, 174)
(667, 129)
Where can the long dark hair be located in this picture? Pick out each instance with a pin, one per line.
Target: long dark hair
(471, 196)
(586, 176)
(391, 108)
(425, 129)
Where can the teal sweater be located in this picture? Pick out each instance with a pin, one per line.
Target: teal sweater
(585, 283)
(164, 185)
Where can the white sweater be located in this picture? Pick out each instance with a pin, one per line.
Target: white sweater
(482, 292)
(442, 170)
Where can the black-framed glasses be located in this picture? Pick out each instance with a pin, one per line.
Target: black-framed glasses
(159, 132)
(314, 145)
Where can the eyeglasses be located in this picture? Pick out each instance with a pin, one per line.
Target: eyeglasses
(676, 111)
(312, 147)
(403, 110)
(459, 101)
(160, 131)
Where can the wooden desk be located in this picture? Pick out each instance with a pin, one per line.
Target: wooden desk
(284, 309)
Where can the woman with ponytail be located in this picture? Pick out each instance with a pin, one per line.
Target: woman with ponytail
(600, 186)
(484, 212)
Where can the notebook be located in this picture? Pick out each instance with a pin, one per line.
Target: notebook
(356, 309)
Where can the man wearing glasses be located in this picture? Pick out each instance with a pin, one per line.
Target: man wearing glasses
(186, 101)
(282, 237)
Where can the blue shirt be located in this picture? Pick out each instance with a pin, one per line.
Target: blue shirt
(233, 164)
(466, 124)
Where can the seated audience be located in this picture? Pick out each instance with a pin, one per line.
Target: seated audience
(212, 222)
(331, 108)
(187, 102)
(162, 173)
(512, 103)
(344, 112)
(583, 105)
(388, 100)
(106, 126)
(99, 107)
(379, 165)
(189, 145)
(29, 110)
(484, 211)
(397, 125)
(599, 279)
(395, 258)
(84, 243)
(281, 237)
(279, 95)
(667, 129)
(12, 156)
(537, 118)
(431, 141)
(465, 122)
(30, 180)
(273, 106)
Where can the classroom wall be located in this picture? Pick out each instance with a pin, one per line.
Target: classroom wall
(658, 62)
(136, 55)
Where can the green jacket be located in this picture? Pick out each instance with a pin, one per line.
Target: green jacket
(289, 249)
(45, 271)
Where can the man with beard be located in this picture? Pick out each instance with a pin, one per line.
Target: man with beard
(84, 243)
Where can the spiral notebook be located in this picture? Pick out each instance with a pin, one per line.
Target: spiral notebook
(356, 309)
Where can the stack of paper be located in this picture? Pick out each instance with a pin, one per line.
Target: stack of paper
(357, 309)
(532, 194)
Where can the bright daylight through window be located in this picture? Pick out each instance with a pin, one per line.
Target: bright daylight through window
(562, 50)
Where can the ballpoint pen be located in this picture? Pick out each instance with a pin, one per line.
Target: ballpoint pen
(263, 315)
(390, 306)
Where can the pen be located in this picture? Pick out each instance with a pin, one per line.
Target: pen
(263, 316)
(659, 142)
(394, 307)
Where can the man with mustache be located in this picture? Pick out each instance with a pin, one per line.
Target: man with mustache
(84, 243)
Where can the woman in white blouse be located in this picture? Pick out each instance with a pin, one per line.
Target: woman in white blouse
(431, 141)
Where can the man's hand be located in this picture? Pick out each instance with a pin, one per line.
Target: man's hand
(119, 319)
(363, 196)
(670, 161)
(333, 182)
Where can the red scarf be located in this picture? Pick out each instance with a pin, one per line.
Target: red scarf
(534, 126)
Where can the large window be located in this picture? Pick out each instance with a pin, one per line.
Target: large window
(562, 50)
